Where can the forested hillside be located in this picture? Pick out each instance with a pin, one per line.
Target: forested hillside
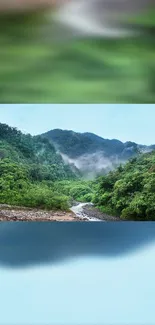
(29, 166)
(129, 191)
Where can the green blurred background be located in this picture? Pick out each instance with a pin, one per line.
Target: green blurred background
(37, 69)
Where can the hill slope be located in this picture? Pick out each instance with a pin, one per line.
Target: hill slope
(92, 154)
(29, 166)
(26, 149)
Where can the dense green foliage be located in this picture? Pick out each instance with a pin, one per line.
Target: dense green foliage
(35, 69)
(33, 174)
(29, 166)
(77, 190)
(45, 163)
(17, 188)
(129, 191)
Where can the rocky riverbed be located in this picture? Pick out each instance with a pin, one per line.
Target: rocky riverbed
(92, 212)
(13, 213)
(79, 212)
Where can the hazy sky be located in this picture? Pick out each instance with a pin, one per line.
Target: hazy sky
(123, 122)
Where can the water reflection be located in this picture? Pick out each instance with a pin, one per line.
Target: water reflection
(89, 287)
(23, 244)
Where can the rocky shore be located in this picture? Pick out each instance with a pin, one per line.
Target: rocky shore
(93, 212)
(13, 213)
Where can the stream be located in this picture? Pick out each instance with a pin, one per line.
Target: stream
(88, 212)
(79, 212)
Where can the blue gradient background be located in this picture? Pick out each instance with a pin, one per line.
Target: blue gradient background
(77, 273)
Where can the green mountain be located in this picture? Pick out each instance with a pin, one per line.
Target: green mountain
(91, 154)
(129, 191)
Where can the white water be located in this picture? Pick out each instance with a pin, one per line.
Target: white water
(78, 210)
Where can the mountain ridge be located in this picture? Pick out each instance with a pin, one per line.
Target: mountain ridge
(52, 134)
(94, 135)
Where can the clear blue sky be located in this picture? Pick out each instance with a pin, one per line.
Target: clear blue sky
(123, 122)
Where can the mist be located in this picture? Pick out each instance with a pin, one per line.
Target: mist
(95, 164)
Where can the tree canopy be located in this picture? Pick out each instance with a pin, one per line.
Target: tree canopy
(129, 191)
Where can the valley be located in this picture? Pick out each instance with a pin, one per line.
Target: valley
(69, 176)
